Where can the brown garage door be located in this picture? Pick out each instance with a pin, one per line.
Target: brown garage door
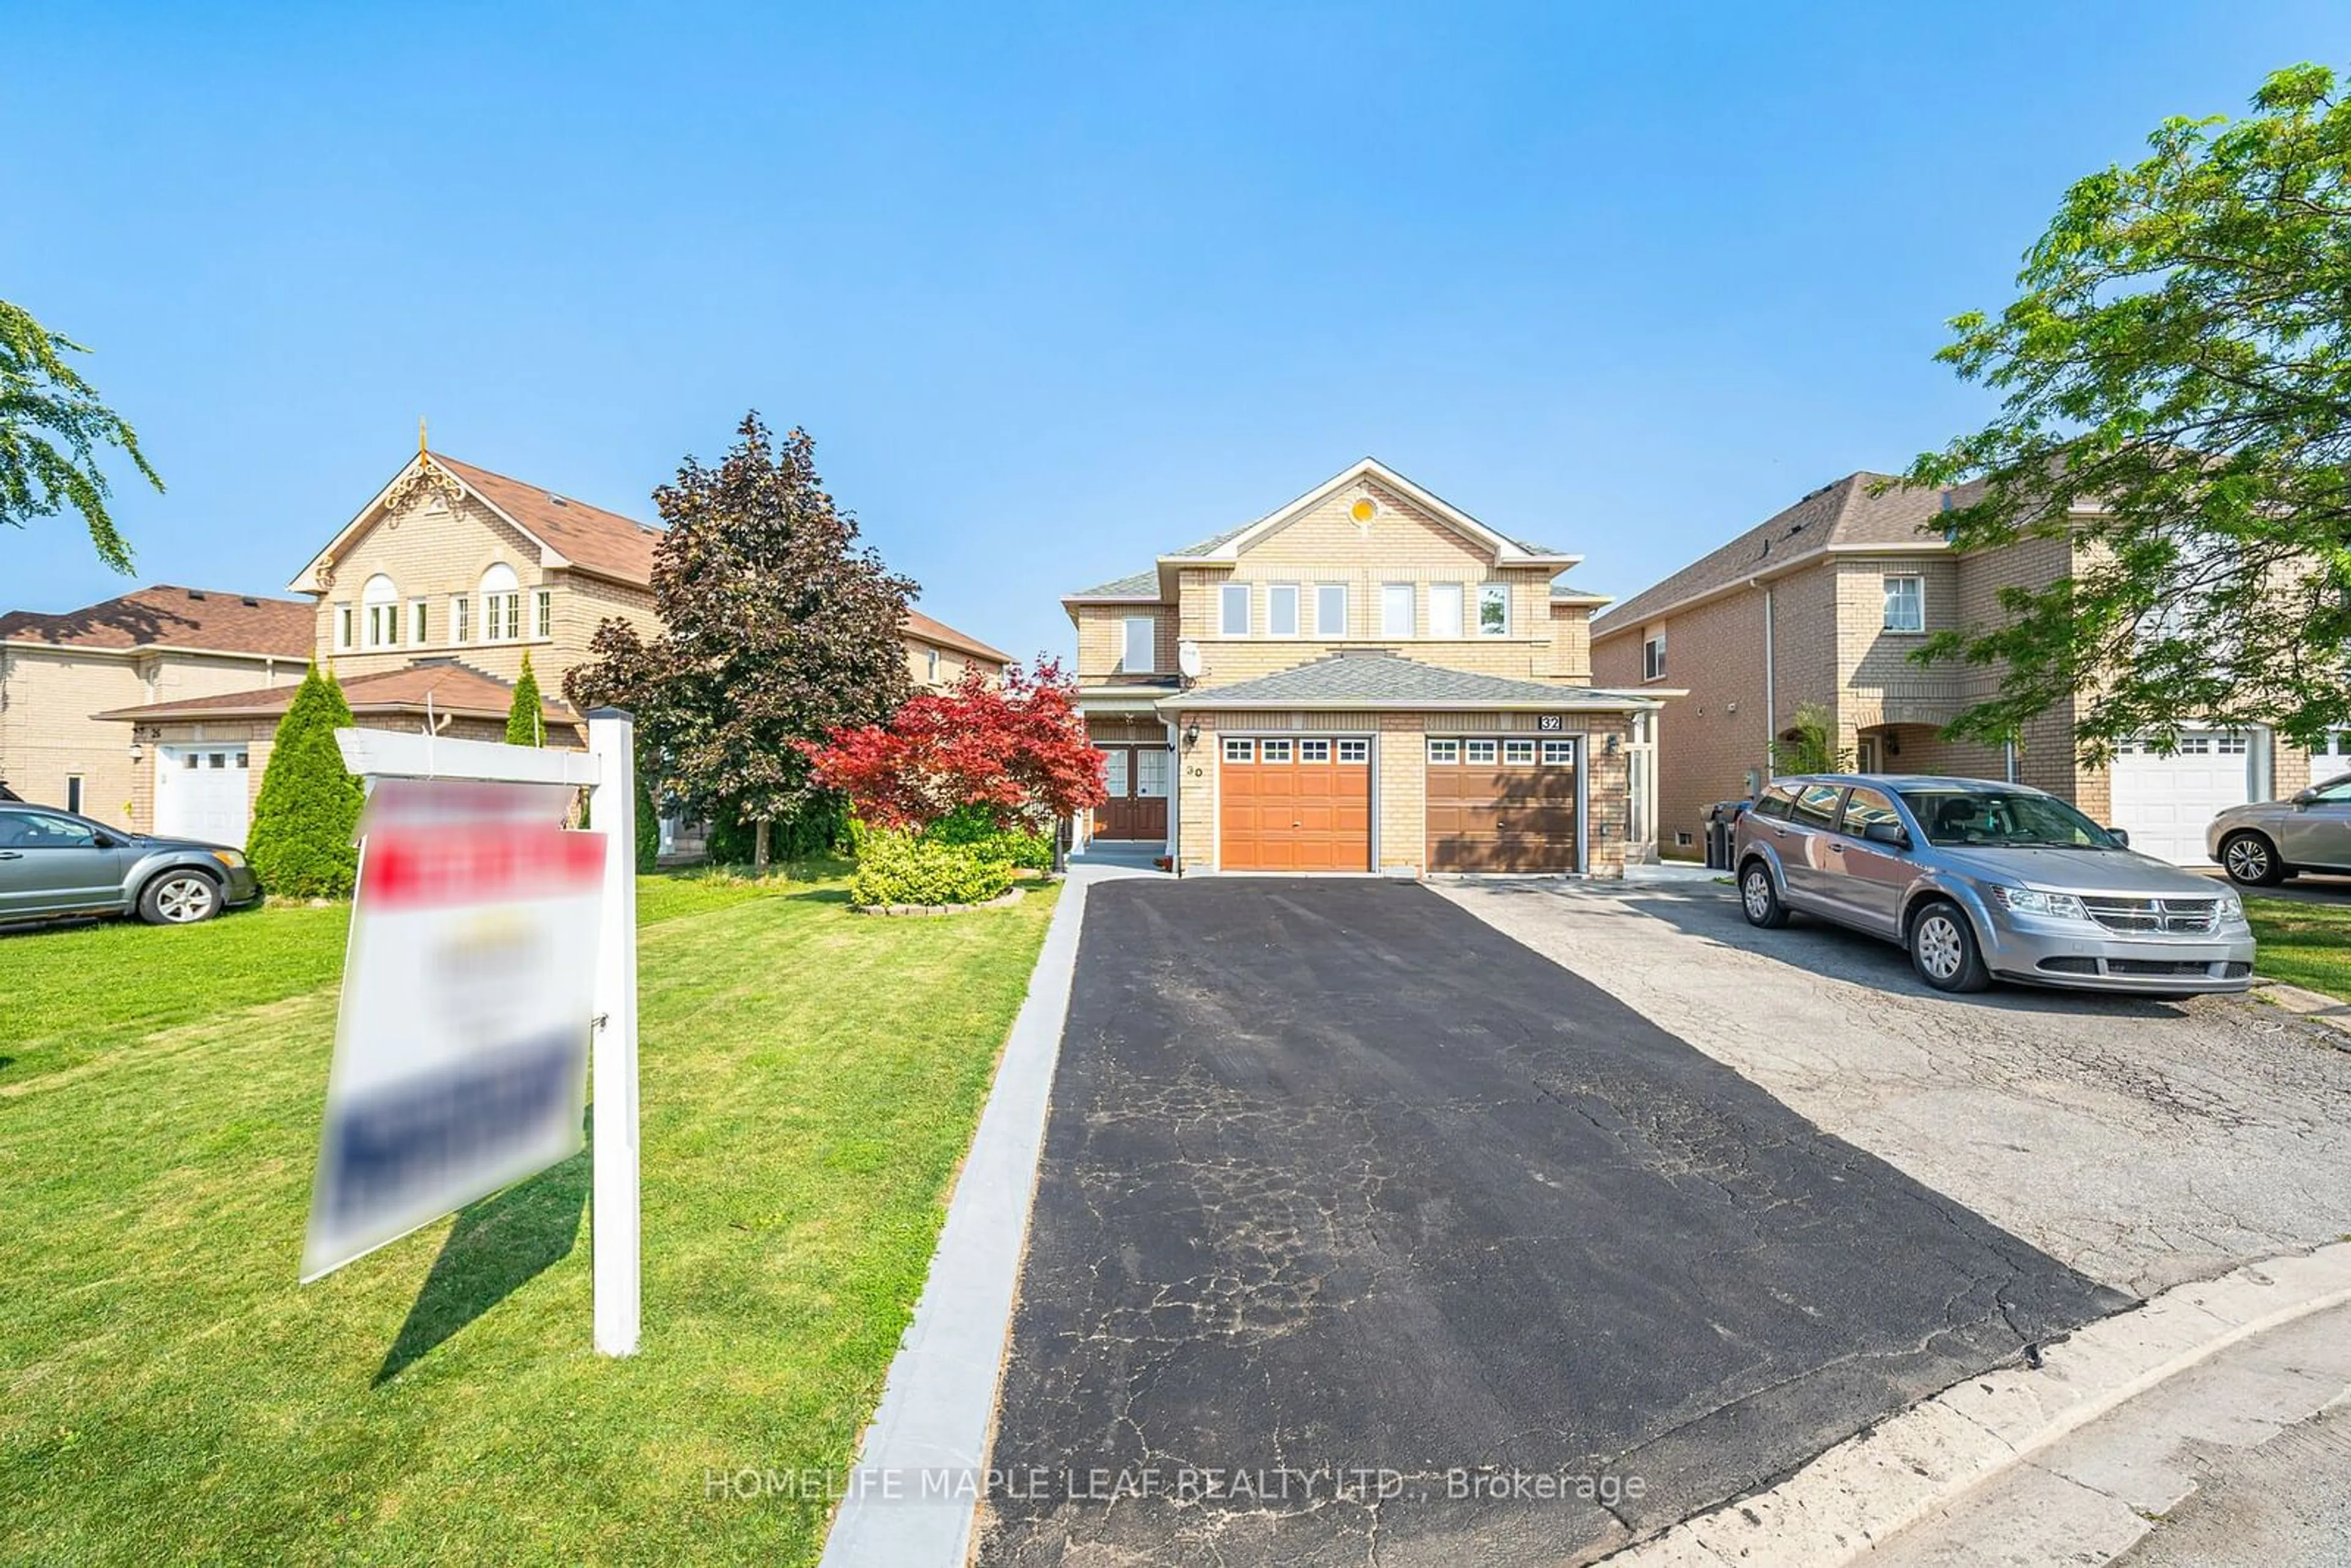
(1294, 803)
(1501, 804)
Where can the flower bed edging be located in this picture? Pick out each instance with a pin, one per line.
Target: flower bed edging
(1009, 896)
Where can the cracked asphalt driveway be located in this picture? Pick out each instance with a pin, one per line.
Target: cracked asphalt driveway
(1351, 1206)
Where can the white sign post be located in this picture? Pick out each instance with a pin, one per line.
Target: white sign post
(430, 1139)
(612, 809)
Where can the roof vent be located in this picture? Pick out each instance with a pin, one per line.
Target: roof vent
(1946, 499)
(555, 500)
(250, 602)
(195, 593)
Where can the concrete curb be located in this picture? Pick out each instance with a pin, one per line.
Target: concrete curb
(1852, 1499)
(2314, 1007)
(920, 1477)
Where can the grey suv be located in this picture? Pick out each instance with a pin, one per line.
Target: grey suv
(54, 863)
(1979, 879)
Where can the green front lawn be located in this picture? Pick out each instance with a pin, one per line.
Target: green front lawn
(167, 1391)
(2302, 943)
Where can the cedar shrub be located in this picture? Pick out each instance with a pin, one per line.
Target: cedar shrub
(308, 808)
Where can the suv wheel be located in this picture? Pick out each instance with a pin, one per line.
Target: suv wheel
(1760, 899)
(2251, 859)
(180, 898)
(1943, 949)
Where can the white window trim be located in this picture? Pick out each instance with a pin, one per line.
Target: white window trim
(1652, 657)
(1468, 747)
(1885, 590)
(461, 618)
(1126, 633)
(1226, 596)
(419, 615)
(1240, 748)
(1411, 609)
(1457, 595)
(1363, 748)
(1444, 753)
(542, 614)
(1327, 633)
(1273, 594)
(1517, 744)
(346, 626)
(1485, 588)
(1266, 750)
(1558, 753)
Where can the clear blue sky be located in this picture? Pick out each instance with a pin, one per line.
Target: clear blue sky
(1055, 289)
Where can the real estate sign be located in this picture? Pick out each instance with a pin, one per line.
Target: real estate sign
(461, 1054)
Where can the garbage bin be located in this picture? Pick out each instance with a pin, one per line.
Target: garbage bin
(1721, 821)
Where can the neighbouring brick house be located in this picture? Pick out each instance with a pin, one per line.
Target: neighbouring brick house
(937, 655)
(1367, 679)
(162, 643)
(1825, 602)
(425, 605)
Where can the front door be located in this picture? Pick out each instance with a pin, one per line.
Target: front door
(1137, 779)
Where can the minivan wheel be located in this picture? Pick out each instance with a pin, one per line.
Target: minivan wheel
(1760, 898)
(1943, 949)
(2251, 859)
(180, 898)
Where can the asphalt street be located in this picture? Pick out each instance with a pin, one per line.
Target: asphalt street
(1355, 1212)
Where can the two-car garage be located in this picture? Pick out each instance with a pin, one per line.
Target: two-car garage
(1490, 803)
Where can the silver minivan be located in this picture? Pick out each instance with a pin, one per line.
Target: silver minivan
(1979, 879)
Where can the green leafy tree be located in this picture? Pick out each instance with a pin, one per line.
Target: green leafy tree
(2176, 385)
(308, 806)
(52, 425)
(777, 626)
(526, 715)
(1810, 743)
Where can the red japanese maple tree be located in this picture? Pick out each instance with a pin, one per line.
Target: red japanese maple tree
(1016, 750)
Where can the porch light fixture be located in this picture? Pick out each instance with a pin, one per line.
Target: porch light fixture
(1191, 734)
(1610, 746)
(137, 750)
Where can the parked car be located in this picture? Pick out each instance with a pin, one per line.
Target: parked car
(1980, 879)
(53, 862)
(2266, 842)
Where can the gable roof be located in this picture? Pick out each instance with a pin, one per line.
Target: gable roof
(456, 690)
(1845, 515)
(164, 616)
(1382, 679)
(925, 629)
(570, 534)
(1157, 584)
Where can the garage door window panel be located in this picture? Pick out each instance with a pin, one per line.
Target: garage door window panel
(1355, 752)
(1237, 750)
(1559, 753)
(1275, 751)
(1519, 753)
(1444, 753)
(1478, 753)
(1314, 751)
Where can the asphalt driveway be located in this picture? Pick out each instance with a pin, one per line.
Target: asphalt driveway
(2143, 1143)
(1355, 1211)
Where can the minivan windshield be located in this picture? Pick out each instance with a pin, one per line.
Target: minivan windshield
(2004, 818)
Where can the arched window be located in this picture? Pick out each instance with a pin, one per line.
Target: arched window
(501, 604)
(381, 603)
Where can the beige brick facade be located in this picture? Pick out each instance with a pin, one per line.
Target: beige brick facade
(1828, 643)
(1408, 541)
(50, 737)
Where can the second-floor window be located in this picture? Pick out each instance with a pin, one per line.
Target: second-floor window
(461, 618)
(1330, 609)
(1396, 610)
(381, 602)
(1905, 604)
(1282, 610)
(1232, 609)
(346, 621)
(1493, 610)
(1653, 658)
(1142, 635)
(542, 613)
(501, 604)
(1445, 609)
(931, 665)
(420, 625)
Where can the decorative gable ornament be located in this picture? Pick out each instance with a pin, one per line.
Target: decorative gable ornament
(425, 482)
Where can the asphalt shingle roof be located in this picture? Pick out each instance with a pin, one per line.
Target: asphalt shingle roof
(1846, 512)
(164, 616)
(1389, 680)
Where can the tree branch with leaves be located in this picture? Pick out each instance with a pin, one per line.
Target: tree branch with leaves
(2176, 406)
(52, 427)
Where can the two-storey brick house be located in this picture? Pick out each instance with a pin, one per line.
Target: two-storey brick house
(1367, 679)
(425, 605)
(1824, 604)
(162, 643)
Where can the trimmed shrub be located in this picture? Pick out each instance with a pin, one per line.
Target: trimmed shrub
(308, 806)
(526, 723)
(972, 828)
(648, 827)
(896, 869)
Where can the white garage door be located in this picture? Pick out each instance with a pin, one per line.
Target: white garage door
(2165, 802)
(2332, 760)
(200, 793)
